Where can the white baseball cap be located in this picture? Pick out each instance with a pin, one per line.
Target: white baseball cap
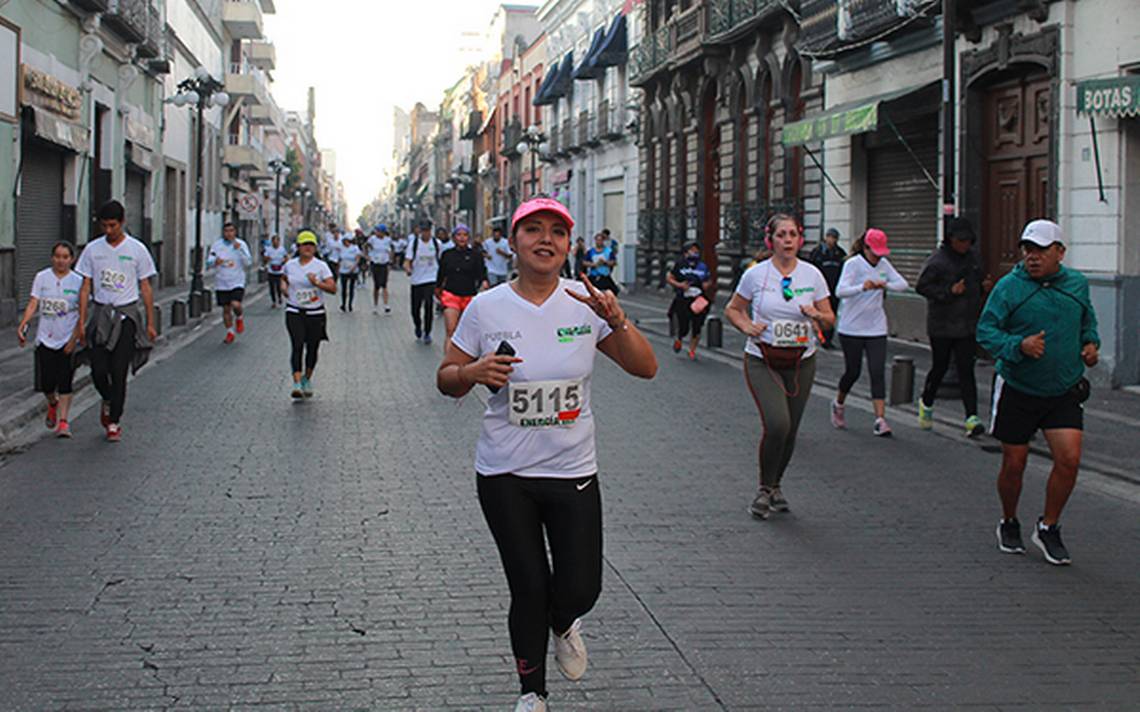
(1043, 233)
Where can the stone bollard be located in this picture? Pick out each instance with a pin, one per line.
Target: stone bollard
(207, 301)
(714, 330)
(178, 313)
(902, 380)
(156, 319)
(262, 276)
(195, 305)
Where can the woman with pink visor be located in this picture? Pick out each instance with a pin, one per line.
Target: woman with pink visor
(533, 342)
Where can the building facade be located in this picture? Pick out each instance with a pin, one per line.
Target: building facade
(1032, 80)
(720, 79)
(588, 102)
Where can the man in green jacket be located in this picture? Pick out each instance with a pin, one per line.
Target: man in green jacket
(1040, 326)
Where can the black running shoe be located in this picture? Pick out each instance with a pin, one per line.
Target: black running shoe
(1048, 540)
(778, 502)
(1009, 537)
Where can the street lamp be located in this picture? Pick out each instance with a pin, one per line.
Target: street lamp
(304, 194)
(280, 168)
(533, 142)
(201, 91)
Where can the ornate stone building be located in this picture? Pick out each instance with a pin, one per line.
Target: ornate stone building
(720, 80)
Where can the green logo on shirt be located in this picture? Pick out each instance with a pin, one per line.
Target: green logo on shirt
(125, 258)
(804, 290)
(566, 334)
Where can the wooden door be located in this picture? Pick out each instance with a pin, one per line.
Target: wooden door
(1017, 144)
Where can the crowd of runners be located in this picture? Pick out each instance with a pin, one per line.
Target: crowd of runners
(527, 309)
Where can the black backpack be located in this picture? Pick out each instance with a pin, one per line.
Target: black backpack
(416, 247)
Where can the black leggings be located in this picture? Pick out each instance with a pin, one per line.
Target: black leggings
(109, 369)
(274, 288)
(422, 302)
(517, 510)
(686, 319)
(347, 290)
(853, 348)
(306, 332)
(963, 352)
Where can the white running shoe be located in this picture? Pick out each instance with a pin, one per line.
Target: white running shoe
(530, 702)
(570, 652)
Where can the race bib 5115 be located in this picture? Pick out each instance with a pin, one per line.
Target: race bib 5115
(545, 404)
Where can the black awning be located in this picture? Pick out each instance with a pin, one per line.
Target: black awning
(542, 98)
(615, 47)
(588, 69)
(563, 80)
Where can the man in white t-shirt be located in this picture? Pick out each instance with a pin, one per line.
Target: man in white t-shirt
(116, 271)
(421, 263)
(380, 256)
(230, 257)
(499, 254)
(275, 258)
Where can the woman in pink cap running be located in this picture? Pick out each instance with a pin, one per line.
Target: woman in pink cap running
(532, 342)
(862, 327)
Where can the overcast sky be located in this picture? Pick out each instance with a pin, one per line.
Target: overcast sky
(364, 58)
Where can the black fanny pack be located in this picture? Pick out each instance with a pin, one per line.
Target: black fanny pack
(1081, 391)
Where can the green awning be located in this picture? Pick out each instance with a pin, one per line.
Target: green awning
(1116, 97)
(402, 185)
(846, 119)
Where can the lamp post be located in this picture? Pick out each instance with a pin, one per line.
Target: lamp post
(201, 91)
(279, 168)
(533, 142)
(304, 193)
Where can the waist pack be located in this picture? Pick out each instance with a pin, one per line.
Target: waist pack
(782, 358)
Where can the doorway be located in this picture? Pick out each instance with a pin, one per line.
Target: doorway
(1017, 135)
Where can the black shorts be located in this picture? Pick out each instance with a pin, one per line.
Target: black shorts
(604, 282)
(54, 370)
(225, 297)
(1017, 415)
(380, 275)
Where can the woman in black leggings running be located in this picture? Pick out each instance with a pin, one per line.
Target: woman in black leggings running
(304, 282)
(535, 459)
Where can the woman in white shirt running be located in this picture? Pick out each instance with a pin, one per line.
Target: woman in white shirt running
(304, 282)
(532, 342)
(55, 295)
(863, 283)
(782, 305)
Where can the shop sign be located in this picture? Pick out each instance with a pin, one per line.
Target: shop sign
(1118, 96)
(46, 92)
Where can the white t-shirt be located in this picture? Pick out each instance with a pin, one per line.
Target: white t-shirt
(235, 259)
(277, 257)
(557, 342)
(115, 272)
(380, 250)
(347, 258)
(425, 262)
(330, 241)
(59, 307)
(762, 285)
(861, 311)
(300, 294)
(496, 263)
(401, 245)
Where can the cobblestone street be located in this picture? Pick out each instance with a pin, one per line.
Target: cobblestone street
(239, 549)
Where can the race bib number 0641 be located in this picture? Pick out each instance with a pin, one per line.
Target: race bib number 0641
(544, 404)
(789, 332)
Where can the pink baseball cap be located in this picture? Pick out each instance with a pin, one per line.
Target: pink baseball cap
(876, 239)
(541, 205)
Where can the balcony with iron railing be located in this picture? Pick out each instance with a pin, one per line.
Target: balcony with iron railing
(568, 137)
(584, 135)
(729, 17)
(242, 19)
(244, 152)
(609, 121)
(128, 19)
(512, 135)
(154, 43)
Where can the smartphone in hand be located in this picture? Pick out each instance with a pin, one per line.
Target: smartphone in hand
(505, 349)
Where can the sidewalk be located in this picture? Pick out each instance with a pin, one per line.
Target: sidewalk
(1111, 423)
(20, 404)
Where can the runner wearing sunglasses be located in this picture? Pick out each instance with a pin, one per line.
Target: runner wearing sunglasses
(782, 305)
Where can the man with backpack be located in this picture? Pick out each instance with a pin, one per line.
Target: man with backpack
(421, 263)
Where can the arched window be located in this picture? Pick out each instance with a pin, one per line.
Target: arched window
(794, 158)
(764, 139)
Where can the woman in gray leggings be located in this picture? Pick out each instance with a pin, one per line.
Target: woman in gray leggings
(782, 305)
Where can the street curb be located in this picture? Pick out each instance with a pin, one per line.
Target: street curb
(20, 427)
